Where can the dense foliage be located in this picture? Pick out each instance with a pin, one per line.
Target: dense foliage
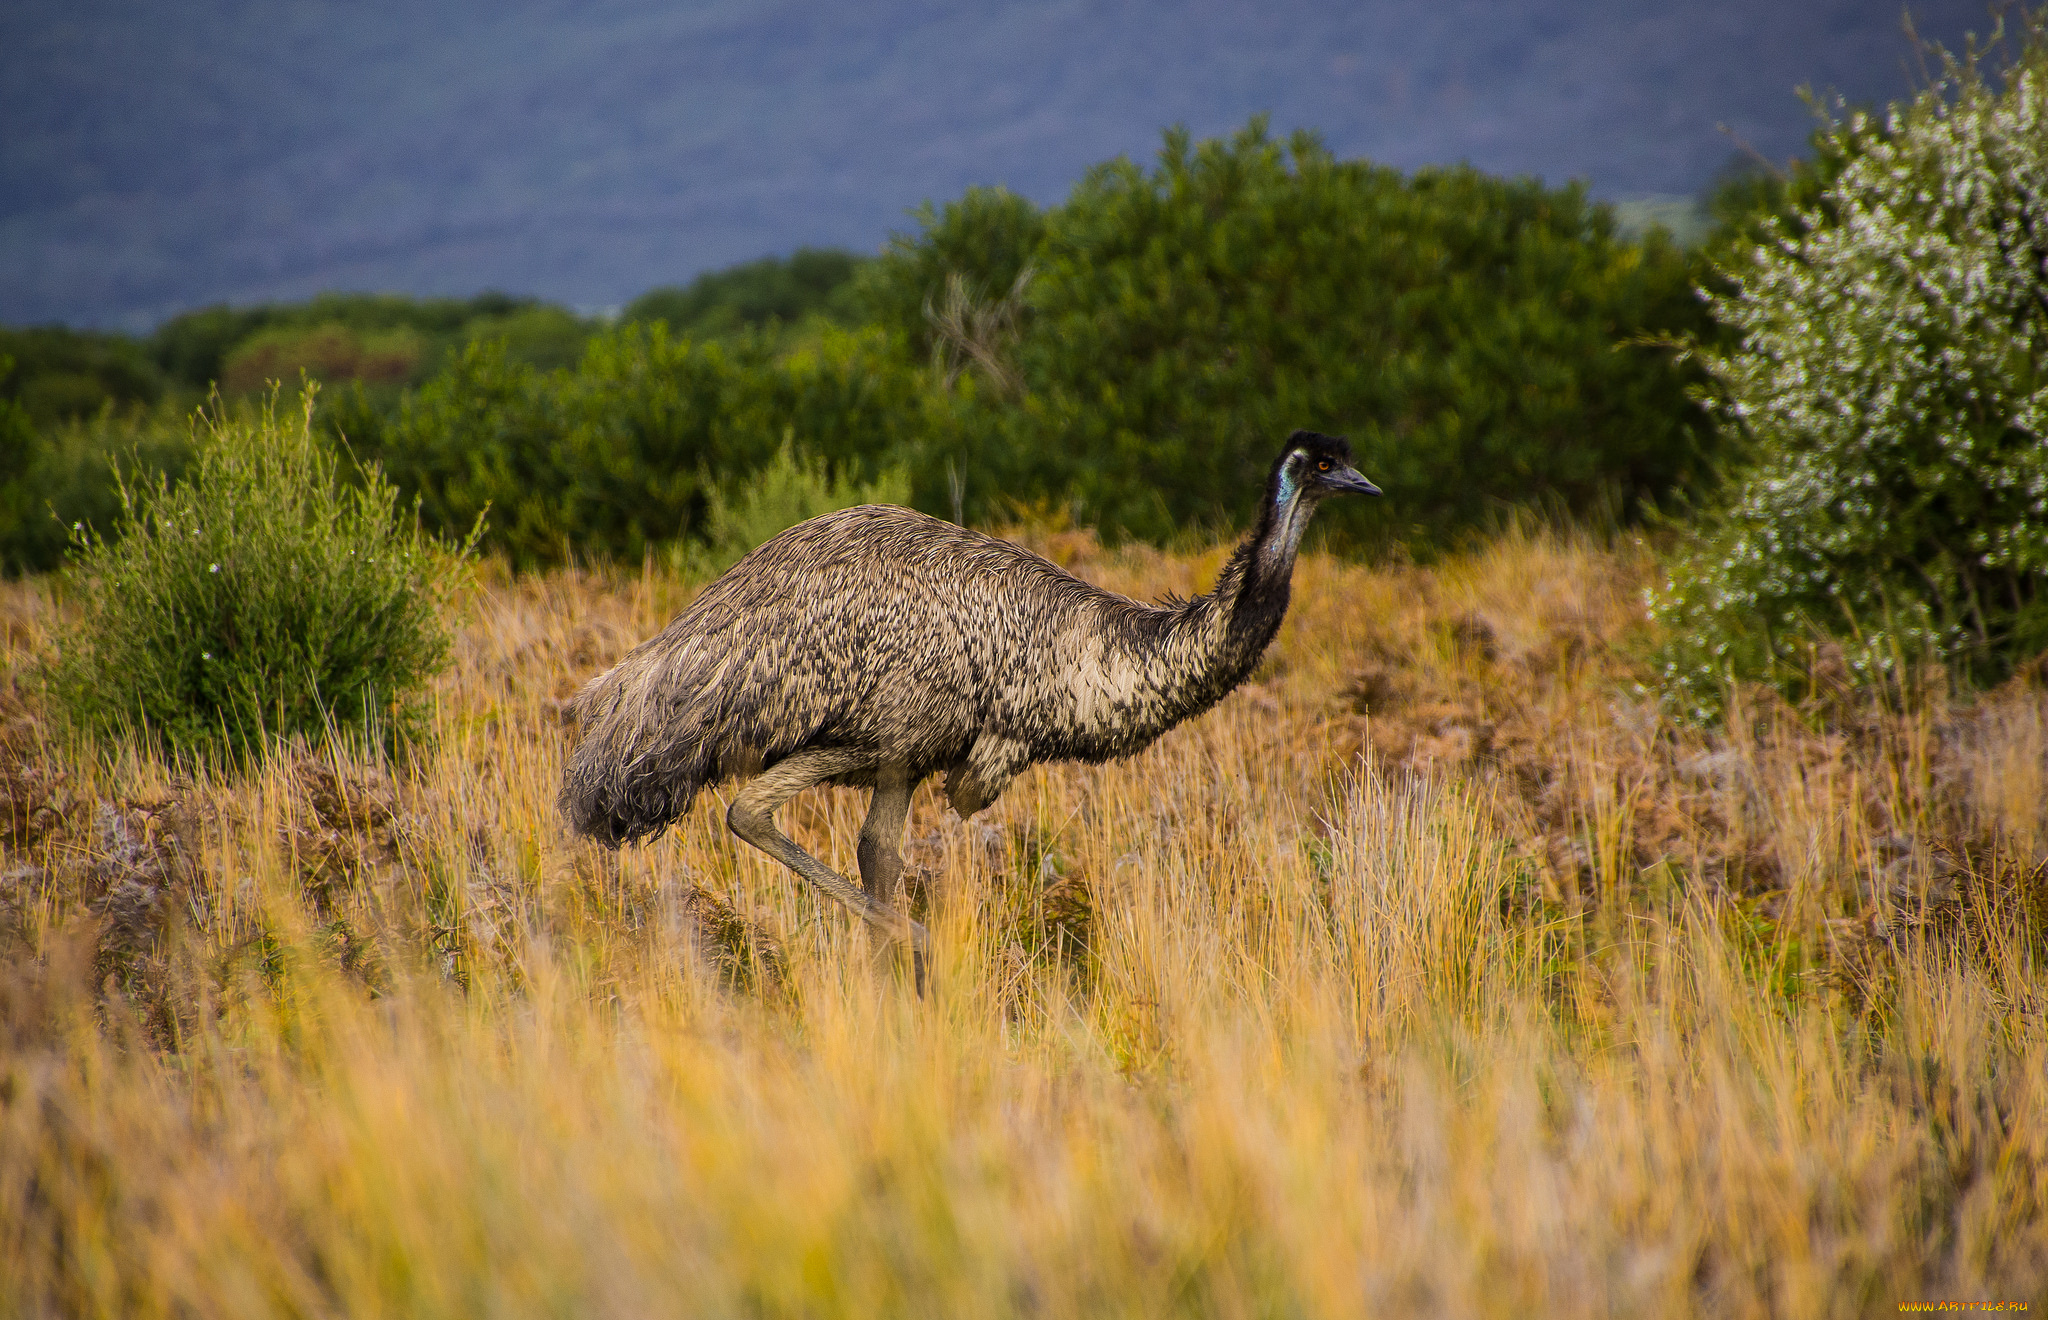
(77, 407)
(340, 337)
(1471, 334)
(756, 295)
(65, 477)
(1889, 393)
(620, 454)
(58, 375)
(1131, 356)
(790, 489)
(74, 406)
(976, 247)
(259, 596)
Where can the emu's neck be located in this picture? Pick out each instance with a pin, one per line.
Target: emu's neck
(1215, 641)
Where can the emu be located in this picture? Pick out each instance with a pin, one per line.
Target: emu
(875, 646)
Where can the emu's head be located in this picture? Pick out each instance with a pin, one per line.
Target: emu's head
(1312, 467)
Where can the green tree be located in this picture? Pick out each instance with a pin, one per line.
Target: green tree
(616, 456)
(1471, 334)
(60, 480)
(752, 296)
(329, 334)
(58, 375)
(59, 469)
(978, 244)
(485, 435)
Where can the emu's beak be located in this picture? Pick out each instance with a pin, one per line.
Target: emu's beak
(1352, 480)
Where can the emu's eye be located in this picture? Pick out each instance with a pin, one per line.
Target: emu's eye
(1323, 465)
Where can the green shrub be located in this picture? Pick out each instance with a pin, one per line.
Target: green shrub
(58, 375)
(364, 336)
(617, 456)
(755, 294)
(483, 435)
(1471, 334)
(329, 352)
(66, 475)
(539, 335)
(191, 347)
(1889, 394)
(846, 397)
(982, 242)
(790, 489)
(259, 596)
(1132, 355)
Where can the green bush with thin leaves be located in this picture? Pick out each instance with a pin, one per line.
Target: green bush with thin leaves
(1481, 340)
(980, 243)
(65, 477)
(619, 456)
(259, 596)
(792, 488)
(784, 291)
(1887, 395)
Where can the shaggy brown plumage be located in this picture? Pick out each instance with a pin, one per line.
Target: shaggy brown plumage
(876, 646)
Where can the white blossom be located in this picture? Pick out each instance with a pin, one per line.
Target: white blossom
(1889, 393)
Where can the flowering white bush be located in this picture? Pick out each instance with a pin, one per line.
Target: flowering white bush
(1888, 397)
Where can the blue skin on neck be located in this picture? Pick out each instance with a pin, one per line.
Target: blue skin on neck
(1286, 493)
(1289, 520)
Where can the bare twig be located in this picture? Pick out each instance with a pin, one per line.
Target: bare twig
(982, 333)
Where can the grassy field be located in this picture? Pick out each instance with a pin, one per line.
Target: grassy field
(1434, 973)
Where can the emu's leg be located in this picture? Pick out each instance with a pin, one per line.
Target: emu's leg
(881, 856)
(881, 837)
(752, 817)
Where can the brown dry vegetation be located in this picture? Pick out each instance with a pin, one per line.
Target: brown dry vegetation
(1433, 973)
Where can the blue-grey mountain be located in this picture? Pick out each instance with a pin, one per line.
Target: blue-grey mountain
(159, 157)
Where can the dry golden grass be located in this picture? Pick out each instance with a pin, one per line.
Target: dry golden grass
(1434, 973)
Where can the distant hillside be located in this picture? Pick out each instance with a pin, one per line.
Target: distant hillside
(156, 158)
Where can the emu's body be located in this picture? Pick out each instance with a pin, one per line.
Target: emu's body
(876, 646)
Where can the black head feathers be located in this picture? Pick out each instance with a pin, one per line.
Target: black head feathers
(1336, 448)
